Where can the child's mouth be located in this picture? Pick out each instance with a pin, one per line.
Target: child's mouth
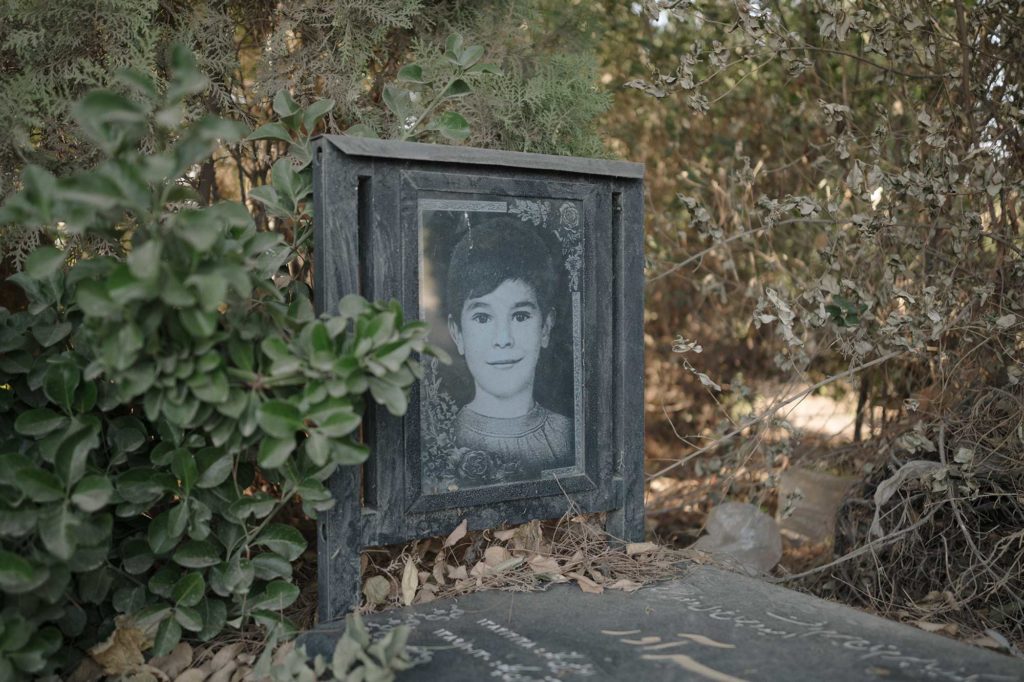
(500, 364)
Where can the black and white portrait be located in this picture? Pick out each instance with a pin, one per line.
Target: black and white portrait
(499, 287)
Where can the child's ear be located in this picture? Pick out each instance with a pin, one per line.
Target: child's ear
(453, 329)
(545, 332)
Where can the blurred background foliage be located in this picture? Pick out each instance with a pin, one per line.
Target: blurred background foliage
(833, 199)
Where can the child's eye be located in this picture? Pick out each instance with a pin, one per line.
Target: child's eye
(481, 318)
(521, 315)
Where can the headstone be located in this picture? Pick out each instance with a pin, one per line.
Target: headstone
(528, 270)
(708, 625)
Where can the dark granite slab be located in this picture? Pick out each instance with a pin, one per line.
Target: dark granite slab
(709, 625)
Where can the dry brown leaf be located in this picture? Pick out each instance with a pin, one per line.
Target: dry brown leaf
(426, 594)
(586, 584)
(504, 535)
(457, 572)
(423, 576)
(438, 573)
(376, 590)
(634, 548)
(508, 564)
(409, 582)
(576, 557)
(224, 655)
(175, 662)
(479, 569)
(544, 564)
(193, 675)
(625, 584)
(282, 653)
(457, 534)
(946, 628)
(223, 674)
(122, 651)
(495, 554)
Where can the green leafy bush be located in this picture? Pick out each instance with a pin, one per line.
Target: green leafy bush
(158, 411)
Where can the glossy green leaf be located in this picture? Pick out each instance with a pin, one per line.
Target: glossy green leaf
(94, 301)
(284, 104)
(314, 112)
(280, 419)
(39, 422)
(189, 590)
(167, 636)
(215, 466)
(183, 465)
(18, 576)
(43, 262)
(271, 131)
(270, 566)
(39, 485)
(284, 540)
(197, 554)
(188, 618)
(457, 88)
(92, 493)
(274, 452)
(57, 530)
(470, 56)
(60, 381)
(411, 73)
(137, 556)
(452, 125)
(277, 595)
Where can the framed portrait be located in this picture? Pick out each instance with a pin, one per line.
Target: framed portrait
(527, 270)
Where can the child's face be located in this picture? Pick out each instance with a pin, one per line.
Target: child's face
(501, 334)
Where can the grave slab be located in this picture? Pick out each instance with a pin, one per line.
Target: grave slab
(707, 625)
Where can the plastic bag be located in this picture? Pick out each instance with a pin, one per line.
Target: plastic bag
(743, 533)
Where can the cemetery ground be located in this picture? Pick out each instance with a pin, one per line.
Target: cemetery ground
(576, 555)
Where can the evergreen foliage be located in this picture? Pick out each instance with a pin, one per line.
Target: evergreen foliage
(159, 411)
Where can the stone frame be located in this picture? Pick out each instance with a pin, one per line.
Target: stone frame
(365, 191)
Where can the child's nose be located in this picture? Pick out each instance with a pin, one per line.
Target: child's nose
(503, 334)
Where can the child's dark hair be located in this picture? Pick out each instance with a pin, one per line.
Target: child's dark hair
(498, 249)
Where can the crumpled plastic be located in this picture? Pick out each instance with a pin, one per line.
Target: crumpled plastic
(743, 533)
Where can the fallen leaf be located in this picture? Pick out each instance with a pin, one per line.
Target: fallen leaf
(457, 572)
(544, 564)
(193, 675)
(625, 584)
(376, 590)
(495, 555)
(479, 569)
(457, 534)
(928, 626)
(122, 651)
(409, 582)
(175, 662)
(634, 548)
(427, 593)
(508, 564)
(505, 534)
(223, 674)
(224, 655)
(439, 573)
(586, 584)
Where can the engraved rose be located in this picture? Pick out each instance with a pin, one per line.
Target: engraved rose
(476, 466)
(569, 216)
